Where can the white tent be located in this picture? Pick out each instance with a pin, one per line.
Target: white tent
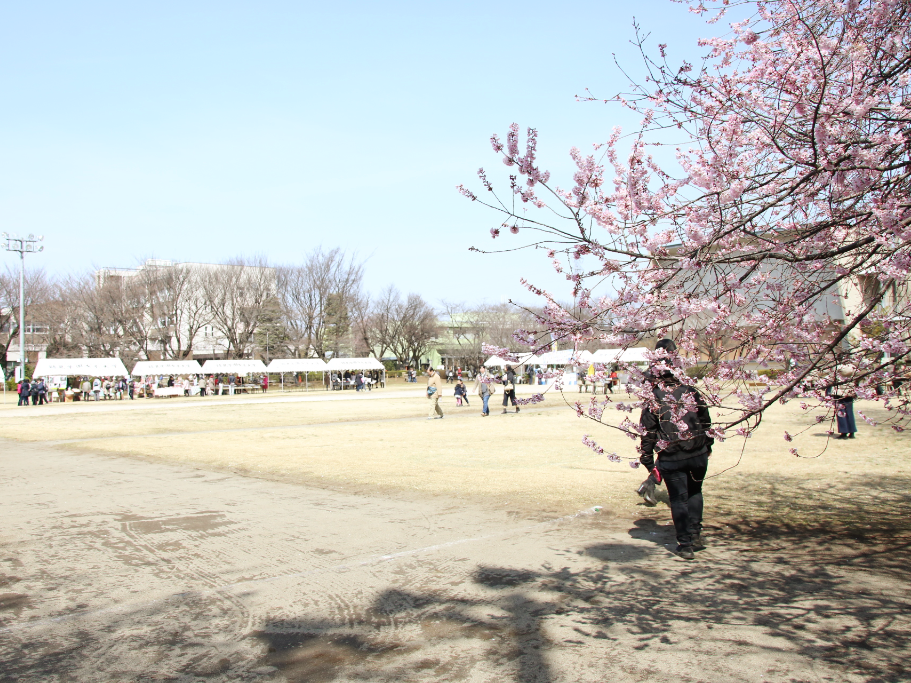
(147, 368)
(564, 357)
(242, 367)
(368, 363)
(90, 367)
(297, 365)
(283, 365)
(633, 355)
(524, 359)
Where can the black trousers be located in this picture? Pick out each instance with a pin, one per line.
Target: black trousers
(509, 396)
(683, 479)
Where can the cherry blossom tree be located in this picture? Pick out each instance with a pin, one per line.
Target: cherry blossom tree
(777, 236)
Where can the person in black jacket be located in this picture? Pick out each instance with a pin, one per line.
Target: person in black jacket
(678, 456)
(509, 380)
(24, 392)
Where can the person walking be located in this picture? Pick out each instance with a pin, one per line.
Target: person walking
(612, 380)
(358, 381)
(509, 389)
(42, 392)
(682, 459)
(434, 392)
(25, 390)
(484, 388)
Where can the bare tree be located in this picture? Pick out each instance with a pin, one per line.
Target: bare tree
(417, 328)
(37, 292)
(235, 296)
(170, 306)
(317, 298)
(98, 307)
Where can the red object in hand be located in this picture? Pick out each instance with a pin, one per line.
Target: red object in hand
(657, 475)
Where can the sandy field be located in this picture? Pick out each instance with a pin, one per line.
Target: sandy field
(466, 548)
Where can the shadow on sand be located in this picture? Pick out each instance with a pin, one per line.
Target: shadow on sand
(814, 579)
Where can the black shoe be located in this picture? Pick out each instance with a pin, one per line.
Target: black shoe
(517, 409)
(698, 542)
(851, 435)
(842, 436)
(686, 552)
(505, 411)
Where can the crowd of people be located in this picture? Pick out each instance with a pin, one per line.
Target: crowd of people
(361, 380)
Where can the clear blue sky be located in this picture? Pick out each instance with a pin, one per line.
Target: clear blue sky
(198, 131)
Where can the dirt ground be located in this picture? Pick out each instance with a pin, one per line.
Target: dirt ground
(321, 537)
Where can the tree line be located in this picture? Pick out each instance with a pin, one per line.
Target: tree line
(243, 308)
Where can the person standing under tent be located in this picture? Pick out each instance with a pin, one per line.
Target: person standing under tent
(265, 383)
(509, 389)
(434, 392)
(131, 388)
(96, 388)
(85, 388)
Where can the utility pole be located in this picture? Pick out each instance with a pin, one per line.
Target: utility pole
(24, 245)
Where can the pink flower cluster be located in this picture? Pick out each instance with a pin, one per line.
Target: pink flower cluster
(776, 250)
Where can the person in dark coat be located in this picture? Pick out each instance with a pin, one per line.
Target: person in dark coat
(33, 389)
(679, 458)
(24, 391)
(509, 380)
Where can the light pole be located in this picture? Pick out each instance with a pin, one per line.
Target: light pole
(24, 245)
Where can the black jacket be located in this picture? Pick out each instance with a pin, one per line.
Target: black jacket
(669, 392)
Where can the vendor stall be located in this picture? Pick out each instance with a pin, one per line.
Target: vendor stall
(305, 365)
(236, 367)
(341, 364)
(53, 368)
(147, 368)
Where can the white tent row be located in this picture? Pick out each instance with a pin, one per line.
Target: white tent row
(242, 367)
(89, 367)
(306, 365)
(148, 368)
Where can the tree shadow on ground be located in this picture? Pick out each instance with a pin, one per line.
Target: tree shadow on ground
(820, 580)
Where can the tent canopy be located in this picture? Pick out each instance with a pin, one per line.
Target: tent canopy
(95, 367)
(369, 363)
(297, 365)
(240, 366)
(633, 355)
(524, 359)
(145, 368)
(564, 357)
